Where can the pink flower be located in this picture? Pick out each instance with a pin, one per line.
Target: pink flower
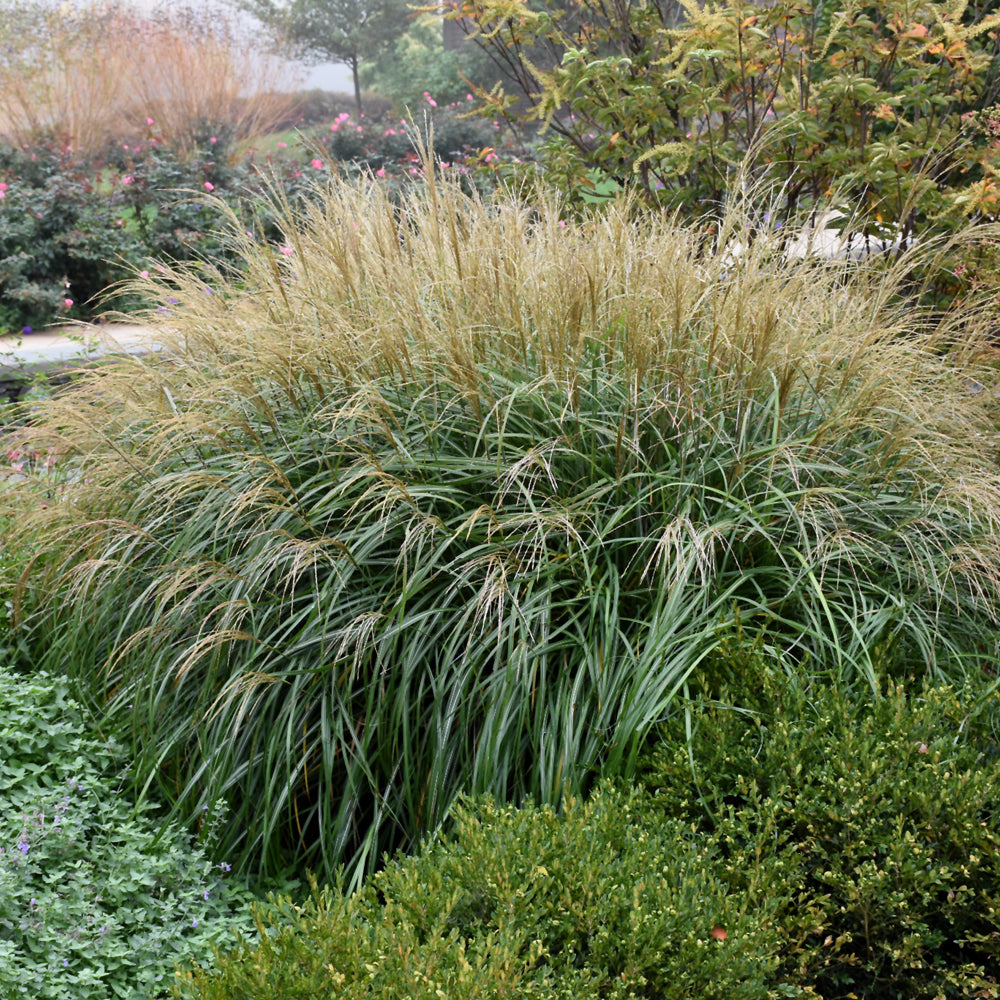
(208, 186)
(287, 250)
(317, 164)
(213, 139)
(127, 179)
(149, 121)
(380, 172)
(282, 145)
(67, 303)
(144, 274)
(430, 100)
(469, 97)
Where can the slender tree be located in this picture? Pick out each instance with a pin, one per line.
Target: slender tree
(344, 31)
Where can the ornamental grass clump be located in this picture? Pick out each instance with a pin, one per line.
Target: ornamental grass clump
(443, 495)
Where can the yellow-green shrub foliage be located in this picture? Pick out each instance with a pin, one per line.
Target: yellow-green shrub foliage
(593, 901)
(864, 99)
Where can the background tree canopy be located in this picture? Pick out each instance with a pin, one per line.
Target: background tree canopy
(344, 31)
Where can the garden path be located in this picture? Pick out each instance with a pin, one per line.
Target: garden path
(22, 357)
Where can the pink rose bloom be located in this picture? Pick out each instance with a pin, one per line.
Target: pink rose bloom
(317, 164)
(209, 186)
(67, 303)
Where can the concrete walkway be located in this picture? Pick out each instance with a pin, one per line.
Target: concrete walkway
(62, 348)
(59, 345)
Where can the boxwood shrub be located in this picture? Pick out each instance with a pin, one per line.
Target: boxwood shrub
(596, 900)
(885, 813)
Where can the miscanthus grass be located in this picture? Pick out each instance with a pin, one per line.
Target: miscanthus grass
(441, 495)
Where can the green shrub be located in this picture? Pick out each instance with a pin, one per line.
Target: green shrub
(319, 107)
(419, 64)
(885, 813)
(867, 101)
(594, 901)
(443, 496)
(98, 899)
(74, 226)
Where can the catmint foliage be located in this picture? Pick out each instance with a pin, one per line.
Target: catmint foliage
(98, 899)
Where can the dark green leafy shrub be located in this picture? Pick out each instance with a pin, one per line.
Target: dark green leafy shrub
(885, 812)
(598, 900)
(72, 228)
(97, 899)
(316, 107)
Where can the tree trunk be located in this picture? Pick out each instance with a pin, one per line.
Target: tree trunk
(353, 63)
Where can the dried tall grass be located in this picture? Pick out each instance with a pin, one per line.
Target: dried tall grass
(443, 495)
(87, 76)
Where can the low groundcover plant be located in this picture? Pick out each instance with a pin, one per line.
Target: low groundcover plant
(98, 899)
(445, 496)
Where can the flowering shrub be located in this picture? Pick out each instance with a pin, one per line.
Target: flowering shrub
(389, 146)
(97, 899)
(72, 226)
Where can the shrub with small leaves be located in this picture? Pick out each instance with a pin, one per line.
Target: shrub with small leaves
(886, 811)
(596, 900)
(97, 899)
